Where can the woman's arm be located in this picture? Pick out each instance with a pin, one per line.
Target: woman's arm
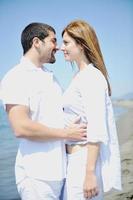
(93, 91)
(90, 181)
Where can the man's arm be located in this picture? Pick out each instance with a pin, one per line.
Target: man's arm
(24, 127)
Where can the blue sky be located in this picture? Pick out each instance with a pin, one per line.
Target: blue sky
(112, 20)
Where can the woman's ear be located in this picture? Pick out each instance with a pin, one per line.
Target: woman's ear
(81, 47)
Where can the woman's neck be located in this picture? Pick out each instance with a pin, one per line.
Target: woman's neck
(82, 64)
(82, 61)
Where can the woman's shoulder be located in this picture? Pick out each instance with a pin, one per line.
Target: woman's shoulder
(93, 75)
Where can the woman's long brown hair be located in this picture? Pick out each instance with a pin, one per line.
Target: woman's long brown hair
(85, 36)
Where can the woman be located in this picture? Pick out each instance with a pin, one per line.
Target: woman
(93, 166)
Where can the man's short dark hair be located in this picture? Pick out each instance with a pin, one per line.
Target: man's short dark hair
(35, 29)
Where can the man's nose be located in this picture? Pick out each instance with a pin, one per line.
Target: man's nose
(57, 47)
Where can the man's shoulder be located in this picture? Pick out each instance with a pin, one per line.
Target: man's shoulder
(15, 71)
(13, 76)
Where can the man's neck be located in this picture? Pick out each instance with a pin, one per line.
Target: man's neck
(33, 59)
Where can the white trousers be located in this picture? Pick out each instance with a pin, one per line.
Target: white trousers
(32, 189)
(75, 176)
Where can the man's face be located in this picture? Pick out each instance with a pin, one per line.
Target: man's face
(48, 48)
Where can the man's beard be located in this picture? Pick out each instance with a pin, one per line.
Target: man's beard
(52, 59)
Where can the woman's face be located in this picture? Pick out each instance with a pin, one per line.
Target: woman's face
(70, 48)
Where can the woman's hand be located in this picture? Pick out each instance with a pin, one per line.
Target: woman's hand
(90, 186)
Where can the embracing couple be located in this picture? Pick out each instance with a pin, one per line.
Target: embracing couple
(68, 142)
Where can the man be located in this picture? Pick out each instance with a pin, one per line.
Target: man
(32, 99)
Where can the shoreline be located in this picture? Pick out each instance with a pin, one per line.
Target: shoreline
(125, 135)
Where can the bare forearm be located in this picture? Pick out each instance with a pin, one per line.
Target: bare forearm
(37, 131)
(93, 153)
(31, 130)
(25, 127)
(91, 188)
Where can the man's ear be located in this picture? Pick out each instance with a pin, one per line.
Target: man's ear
(36, 42)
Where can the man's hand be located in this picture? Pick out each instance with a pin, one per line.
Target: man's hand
(76, 131)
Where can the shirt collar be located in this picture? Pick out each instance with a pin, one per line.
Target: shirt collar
(28, 65)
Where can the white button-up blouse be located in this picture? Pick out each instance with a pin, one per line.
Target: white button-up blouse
(87, 97)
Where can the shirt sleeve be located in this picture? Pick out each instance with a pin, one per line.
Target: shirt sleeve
(14, 90)
(93, 93)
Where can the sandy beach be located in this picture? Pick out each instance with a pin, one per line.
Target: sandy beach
(125, 134)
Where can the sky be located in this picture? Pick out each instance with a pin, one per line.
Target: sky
(111, 19)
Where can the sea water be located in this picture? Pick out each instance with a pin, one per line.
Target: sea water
(8, 149)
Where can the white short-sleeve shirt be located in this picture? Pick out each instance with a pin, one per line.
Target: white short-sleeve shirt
(87, 97)
(36, 88)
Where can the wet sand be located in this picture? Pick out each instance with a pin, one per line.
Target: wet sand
(125, 134)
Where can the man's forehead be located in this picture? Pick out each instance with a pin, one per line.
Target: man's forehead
(52, 34)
